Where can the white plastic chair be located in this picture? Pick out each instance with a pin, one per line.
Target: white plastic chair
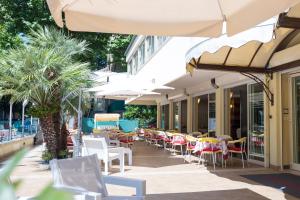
(82, 175)
(109, 141)
(115, 143)
(99, 146)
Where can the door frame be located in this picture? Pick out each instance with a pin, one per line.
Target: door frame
(258, 162)
(292, 116)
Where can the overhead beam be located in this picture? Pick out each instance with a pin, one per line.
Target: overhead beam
(232, 68)
(285, 66)
(288, 22)
(282, 45)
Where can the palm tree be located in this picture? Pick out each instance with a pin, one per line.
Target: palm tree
(44, 72)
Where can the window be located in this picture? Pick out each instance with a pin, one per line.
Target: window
(201, 113)
(149, 46)
(212, 112)
(256, 121)
(161, 40)
(135, 63)
(130, 67)
(141, 54)
(176, 115)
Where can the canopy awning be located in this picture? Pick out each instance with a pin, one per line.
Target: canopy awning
(143, 100)
(106, 117)
(168, 17)
(249, 51)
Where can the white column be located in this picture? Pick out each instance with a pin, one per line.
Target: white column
(220, 111)
(190, 114)
(23, 116)
(31, 121)
(158, 115)
(10, 119)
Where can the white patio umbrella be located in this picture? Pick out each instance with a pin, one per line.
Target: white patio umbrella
(165, 17)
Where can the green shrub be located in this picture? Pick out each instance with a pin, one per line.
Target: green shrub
(47, 156)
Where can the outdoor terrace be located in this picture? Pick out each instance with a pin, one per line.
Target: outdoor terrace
(167, 177)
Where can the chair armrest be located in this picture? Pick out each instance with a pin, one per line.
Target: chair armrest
(70, 189)
(79, 191)
(116, 149)
(234, 141)
(117, 142)
(124, 197)
(139, 185)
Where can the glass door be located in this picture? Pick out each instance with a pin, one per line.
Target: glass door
(176, 115)
(212, 114)
(256, 122)
(296, 135)
(162, 125)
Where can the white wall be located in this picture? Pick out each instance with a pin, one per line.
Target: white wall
(168, 63)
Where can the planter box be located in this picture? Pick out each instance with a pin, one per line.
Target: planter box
(10, 147)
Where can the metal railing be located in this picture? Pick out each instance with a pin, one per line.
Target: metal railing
(31, 127)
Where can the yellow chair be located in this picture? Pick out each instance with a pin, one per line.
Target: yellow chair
(212, 150)
(202, 135)
(241, 149)
(127, 139)
(168, 139)
(191, 143)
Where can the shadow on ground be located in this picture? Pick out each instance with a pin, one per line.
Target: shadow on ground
(238, 194)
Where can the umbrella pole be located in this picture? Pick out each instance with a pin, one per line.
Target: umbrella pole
(79, 112)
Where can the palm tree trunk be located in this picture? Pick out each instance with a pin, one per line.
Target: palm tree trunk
(75, 124)
(63, 137)
(50, 134)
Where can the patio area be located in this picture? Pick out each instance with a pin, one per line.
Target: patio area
(167, 177)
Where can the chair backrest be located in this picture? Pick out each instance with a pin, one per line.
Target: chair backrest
(190, 138)
(209, 140)
(81, 172)
(103, 134)
(96, 146)
(178, 138)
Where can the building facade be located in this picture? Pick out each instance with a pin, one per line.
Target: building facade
(262, 105)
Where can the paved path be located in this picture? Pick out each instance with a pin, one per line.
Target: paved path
(167, 177)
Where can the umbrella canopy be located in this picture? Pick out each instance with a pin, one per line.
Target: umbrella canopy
(165, 17)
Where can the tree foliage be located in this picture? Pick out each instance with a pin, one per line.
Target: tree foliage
(145, 114)
(18, 17)
(44, 72)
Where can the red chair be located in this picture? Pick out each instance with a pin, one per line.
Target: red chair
(178, 140)
(191, 143)
(157, 137)
(211, 147)
(127, 139)
(240, 149)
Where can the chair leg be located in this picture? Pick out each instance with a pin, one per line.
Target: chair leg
(181, 150)
(222, 159)
(129, 158)
(243, 159)
(199, 160)
(105, 167)
(213, 160)
(246, 158)
(122, 163)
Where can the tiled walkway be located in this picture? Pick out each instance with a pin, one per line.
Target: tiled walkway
(167, 177)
